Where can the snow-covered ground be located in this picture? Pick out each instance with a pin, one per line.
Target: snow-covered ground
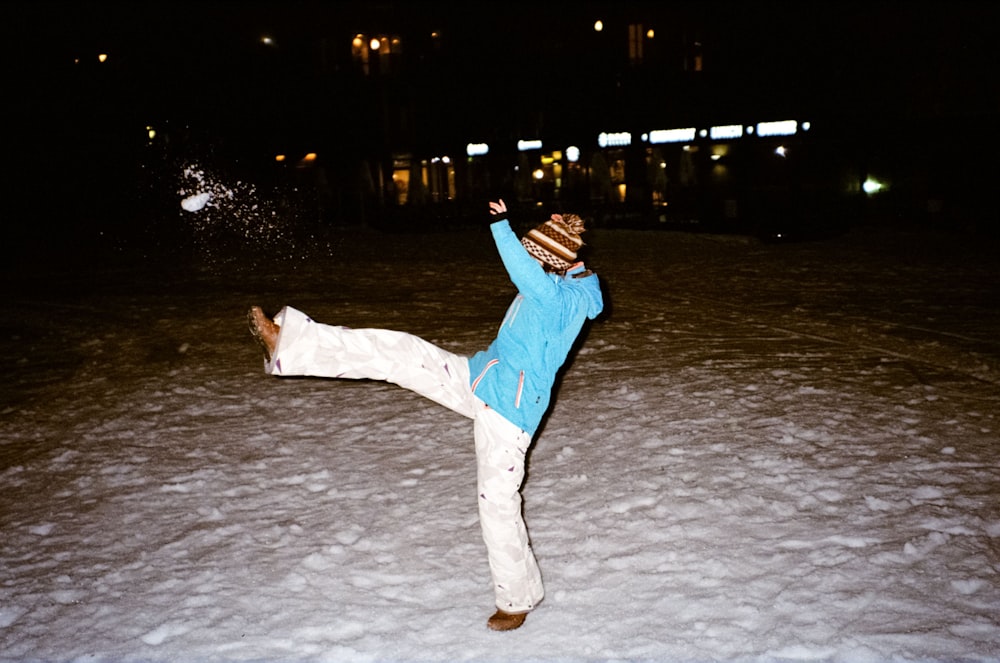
(760, 453)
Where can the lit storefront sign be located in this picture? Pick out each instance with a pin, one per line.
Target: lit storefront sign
(477, 149)
(781, 128)
(618, 139)
(672, 135)
(726, 132)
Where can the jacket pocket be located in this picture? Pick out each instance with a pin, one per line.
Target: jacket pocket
(490, 364)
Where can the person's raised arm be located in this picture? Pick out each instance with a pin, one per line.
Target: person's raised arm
(525, 272)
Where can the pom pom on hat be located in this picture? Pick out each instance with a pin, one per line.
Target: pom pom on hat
(556, 242)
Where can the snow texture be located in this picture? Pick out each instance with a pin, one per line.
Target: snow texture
(760, 452)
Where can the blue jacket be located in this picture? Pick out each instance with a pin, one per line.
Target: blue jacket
(514, 376)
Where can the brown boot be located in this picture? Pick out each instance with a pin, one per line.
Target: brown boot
(506, 621)
(264, 329)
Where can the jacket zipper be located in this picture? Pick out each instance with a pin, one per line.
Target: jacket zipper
(512, 311)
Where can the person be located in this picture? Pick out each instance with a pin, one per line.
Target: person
(505, 389)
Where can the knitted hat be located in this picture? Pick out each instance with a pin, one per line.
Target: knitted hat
(556, 241)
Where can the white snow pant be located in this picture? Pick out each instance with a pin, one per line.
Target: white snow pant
(306, 347)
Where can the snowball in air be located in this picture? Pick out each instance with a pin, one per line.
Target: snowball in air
(195, 202)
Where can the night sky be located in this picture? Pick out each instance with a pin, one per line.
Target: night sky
(203, 63)
(939, 54)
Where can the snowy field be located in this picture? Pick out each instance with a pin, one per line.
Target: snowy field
(760, 453)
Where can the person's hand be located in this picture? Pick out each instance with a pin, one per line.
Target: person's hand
(498, 209)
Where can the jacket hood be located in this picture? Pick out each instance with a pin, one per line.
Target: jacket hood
(591, 286)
